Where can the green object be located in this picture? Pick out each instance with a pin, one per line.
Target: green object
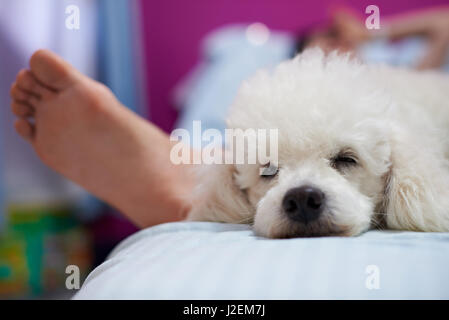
(39, 243)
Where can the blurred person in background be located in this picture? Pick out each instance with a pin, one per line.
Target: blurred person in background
(347, 33)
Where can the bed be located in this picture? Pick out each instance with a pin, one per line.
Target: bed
(203, 260)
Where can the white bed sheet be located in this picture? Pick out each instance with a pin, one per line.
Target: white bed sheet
(201, 260)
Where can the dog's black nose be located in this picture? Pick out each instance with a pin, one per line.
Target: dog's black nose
(303, 204)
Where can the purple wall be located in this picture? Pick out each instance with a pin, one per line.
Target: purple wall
(173, 30)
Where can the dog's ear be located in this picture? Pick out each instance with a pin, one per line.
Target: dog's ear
(218, 197)
(417, 186)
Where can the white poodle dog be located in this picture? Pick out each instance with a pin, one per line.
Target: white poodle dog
(358, 147)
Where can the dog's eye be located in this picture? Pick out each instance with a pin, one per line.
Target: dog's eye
(343, 161)
(268, 171)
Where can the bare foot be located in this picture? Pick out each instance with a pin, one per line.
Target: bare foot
(78, 128)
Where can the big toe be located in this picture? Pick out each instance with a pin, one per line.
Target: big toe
(52, 70)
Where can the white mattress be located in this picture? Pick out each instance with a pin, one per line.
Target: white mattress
(201, 260)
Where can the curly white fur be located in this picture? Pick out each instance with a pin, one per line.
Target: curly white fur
(395, 121)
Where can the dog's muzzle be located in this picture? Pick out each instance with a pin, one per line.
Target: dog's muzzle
(303, 204)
